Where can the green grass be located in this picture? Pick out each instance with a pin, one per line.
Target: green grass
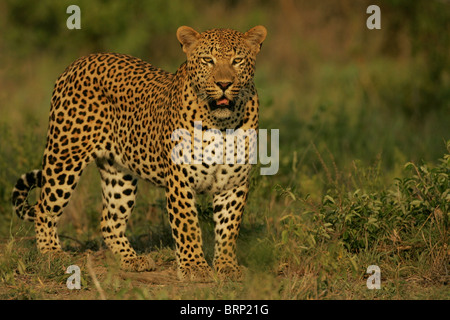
(364, 163)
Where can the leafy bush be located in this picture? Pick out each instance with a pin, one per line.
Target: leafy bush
(393, 219)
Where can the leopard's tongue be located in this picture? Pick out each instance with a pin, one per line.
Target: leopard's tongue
(223, 102)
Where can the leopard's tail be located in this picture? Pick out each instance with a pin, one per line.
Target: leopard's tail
(24, 185)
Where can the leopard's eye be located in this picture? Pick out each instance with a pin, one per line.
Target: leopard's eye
(237, 61)
(207, 60)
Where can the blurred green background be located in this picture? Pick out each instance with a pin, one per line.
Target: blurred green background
(349, 102)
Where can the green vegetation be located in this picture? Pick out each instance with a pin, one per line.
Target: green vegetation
(364, 154)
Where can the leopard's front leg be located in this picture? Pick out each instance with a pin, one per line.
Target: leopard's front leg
(228, 208)
(186, 231)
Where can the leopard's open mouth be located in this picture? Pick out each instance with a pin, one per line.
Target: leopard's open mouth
(222, 103)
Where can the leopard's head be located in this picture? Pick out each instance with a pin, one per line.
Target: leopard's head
(221, 64)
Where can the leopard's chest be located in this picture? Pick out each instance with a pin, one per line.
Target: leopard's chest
(215, 178)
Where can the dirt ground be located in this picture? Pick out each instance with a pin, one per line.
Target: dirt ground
(101, 278)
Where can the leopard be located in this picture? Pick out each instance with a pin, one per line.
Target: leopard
(120, 112)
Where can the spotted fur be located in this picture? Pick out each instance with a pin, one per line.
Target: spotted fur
(120, 112)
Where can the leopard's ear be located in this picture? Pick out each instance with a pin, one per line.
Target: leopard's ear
(255, 37)
(188, 37)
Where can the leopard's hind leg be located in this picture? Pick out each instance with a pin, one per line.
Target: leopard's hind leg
(119, 193)
(60, 176)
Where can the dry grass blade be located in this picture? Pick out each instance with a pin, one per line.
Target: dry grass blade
(94, 278)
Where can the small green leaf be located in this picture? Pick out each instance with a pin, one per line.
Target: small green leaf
(328, 199)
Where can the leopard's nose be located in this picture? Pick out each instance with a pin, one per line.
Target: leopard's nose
(224, 85)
